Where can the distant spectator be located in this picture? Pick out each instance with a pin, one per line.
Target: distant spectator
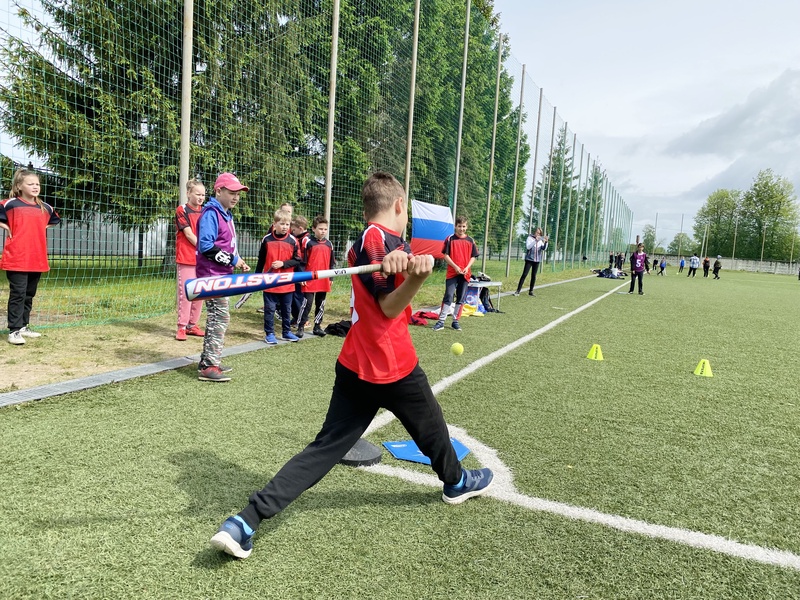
(639, 264)
(694, 262)
(536, 245)
(706, 266)
(717, 267)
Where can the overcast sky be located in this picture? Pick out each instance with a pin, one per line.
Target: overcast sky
(677, 98)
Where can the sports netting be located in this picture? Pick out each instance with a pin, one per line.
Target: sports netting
(90, 98)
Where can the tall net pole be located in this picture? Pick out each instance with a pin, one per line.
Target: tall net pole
(331, 109)
(186, 96)
(577, 202)
(569, 201)
(461, 107)
(491, 159)
(512, 223)
(412, 94)
(535, 162)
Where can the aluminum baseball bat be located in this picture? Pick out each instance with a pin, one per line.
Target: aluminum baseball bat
(243, 283)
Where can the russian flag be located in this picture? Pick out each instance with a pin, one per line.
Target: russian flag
(430, 226)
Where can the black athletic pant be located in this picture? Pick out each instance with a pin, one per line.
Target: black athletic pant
(634, 277)
(310, 298)
(353, 405)
(529, 265)
(692, 272)
(22, 288)
(297, 302)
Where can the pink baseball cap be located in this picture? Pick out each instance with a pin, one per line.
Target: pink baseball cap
(229, 181)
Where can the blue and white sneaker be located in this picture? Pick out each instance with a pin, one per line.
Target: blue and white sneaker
(271, 339)
(290, 337)
(439, 326)
(473, 483)
(456, 325)
(234, 537)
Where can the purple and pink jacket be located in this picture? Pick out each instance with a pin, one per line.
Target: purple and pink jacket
(216, 241)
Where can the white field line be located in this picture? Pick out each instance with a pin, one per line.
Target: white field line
(503, 487)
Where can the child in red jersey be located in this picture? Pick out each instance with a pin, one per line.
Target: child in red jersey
(25, 217)
(377, 368)
(459, 252)
(318, 256)
(300, 232)
(186, 218)
(279, 253)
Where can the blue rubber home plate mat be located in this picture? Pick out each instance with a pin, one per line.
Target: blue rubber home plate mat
(407, 450)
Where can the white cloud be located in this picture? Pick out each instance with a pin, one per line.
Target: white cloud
(677, 99)
(766, 123)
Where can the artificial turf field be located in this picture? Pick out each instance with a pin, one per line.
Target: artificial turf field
(114, 492)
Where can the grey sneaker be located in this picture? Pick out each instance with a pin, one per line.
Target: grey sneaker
(15, 337)
(29, 333)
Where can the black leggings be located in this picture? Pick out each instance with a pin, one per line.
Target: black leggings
(529, 265)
